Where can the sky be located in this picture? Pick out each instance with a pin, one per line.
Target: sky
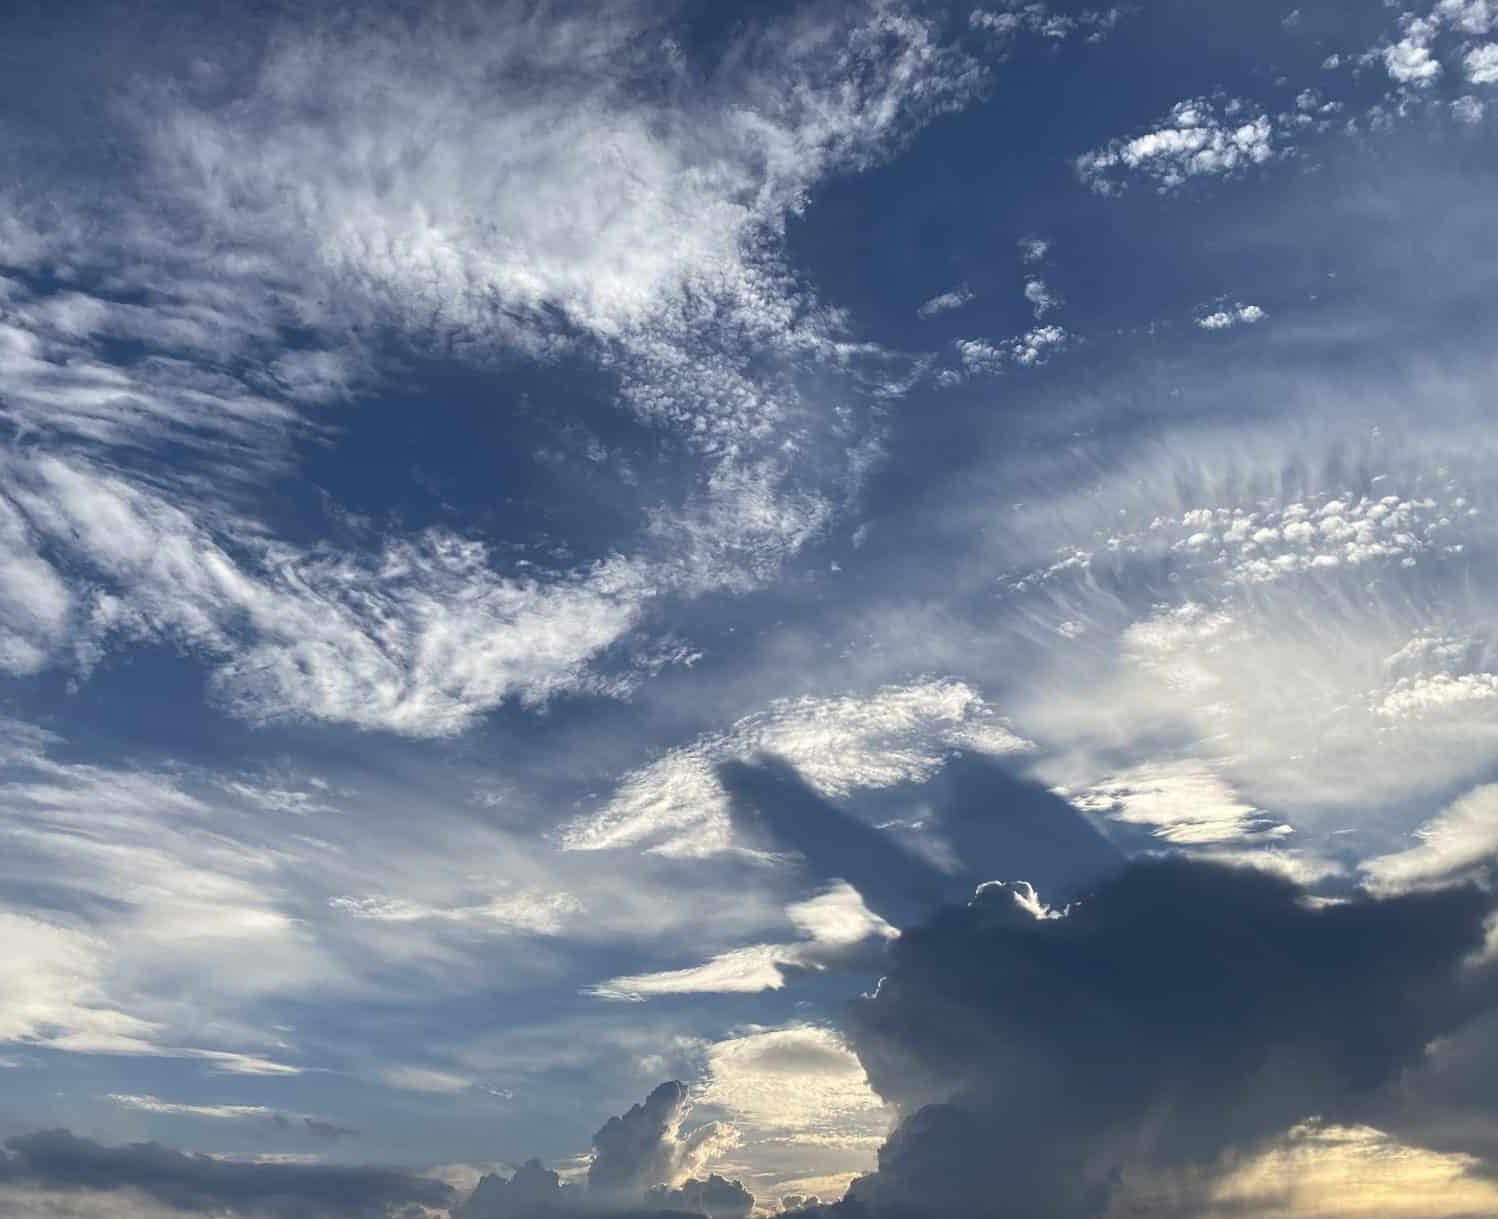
(866, 609)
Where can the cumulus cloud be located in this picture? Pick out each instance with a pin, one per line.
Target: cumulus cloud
(1409, 61)
(1198, 138)
(1481, 64)
(1042, 298)
(716, 1197)
(645, 1147)
(979, 357)
(1230, 316)
(1031, 1080)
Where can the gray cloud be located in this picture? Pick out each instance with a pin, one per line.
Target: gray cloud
(641, 1166)
(1043, 1064)
(645, 1148)
(58, 1159)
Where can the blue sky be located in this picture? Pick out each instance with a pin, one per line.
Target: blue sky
(538, 541)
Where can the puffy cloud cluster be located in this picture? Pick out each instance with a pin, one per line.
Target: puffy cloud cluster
(1180, 1019)
(1198, 138)
(642, 1164)
(1230, 316)
(644, 1147)
(1269, 542)
(1035, 347)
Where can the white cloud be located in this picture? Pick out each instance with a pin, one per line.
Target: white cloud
(737, 971)
(146, 1103)
(1462, 838)
(1230, 316)
(1321, 1171)
(1410, 61)
(1481, 64)
(1468, 16)
(1184, 803)
(831, 923)
(533, 912)
(1042, 299)
(1033, 249)
(946, 302)
(900, 734)
(1469, 110)
(1033, 348)
(1198, 138)
(1040, 20)
(424, 1079)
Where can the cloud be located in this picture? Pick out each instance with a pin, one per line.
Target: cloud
(1455, 845)
(1481, 64)
(1409, 61)
(716, 1197)
(945, 302)
(61, 1160)
(979, 357)
(1042, 21)
(532, 1188)
(1033, 249)
(351, 187)
(835, 925)
(154, 1104)
(840, 745)
(1231, 1009)
(425, 1079)
(1227, 318)
(645, 1148)
(1332, 1172)
(536, 913)
(801, 1082)
(1042, 299)
(1183, 803)
(641, 1166)
(1199, 138)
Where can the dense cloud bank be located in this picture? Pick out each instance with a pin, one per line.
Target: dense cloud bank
(57, 1159)
(641, 1168)
(1045, 1062)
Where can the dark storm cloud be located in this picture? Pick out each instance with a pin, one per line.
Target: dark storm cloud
(1186, 1009)
(57, 1159)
